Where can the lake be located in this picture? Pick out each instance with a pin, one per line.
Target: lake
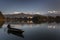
(43, 31)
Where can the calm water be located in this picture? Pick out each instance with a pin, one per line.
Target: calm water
(44, 31)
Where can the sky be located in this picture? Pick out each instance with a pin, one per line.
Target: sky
(29, 6)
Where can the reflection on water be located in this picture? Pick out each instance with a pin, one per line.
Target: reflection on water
(51, 27)
(17, 33)
(43, 31)
(1, 23)
(17, 22)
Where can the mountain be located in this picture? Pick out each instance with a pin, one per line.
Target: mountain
(52, 14)
(17, 15)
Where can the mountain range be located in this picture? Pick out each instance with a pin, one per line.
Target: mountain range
(26, 15)
(52, 14)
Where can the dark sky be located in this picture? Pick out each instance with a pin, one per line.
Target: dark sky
(41, 6)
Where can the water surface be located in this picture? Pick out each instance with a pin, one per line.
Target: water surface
(43, 31)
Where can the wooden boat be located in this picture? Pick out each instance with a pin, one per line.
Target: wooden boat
(14, 30)
(17, 33)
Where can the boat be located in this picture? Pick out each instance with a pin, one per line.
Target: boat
(14, 29)
(17, 33)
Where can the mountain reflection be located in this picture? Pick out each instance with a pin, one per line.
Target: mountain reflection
(51, 26)
(15, 31)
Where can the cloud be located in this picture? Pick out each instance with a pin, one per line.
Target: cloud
(16, 12)
(53, 11)
(37, 12)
